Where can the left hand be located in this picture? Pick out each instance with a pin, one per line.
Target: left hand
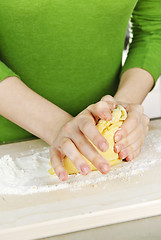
(129, 139)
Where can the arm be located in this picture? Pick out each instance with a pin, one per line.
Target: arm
(145, 47)
(143, 64)
(134, 85)
(21, 105)
(141, 70)
(65, 134)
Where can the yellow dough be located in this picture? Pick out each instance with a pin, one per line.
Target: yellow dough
(107, 129)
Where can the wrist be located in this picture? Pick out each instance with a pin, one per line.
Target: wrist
(123, 96)
(57, 124)
(29, 110)
(134, 85)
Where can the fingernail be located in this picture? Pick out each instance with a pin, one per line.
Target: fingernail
(61, 176)
(103, 147)
(84, 170)
(128, 159)
(104, 168)
(123, 154)
(117, 137)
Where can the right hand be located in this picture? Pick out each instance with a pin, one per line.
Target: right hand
(72, 140)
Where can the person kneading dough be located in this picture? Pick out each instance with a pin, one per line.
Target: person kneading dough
(107, 129)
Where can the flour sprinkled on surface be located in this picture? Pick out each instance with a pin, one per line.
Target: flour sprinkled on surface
(28, 172)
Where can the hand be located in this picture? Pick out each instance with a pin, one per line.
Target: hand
(129, 139)
(72, 140)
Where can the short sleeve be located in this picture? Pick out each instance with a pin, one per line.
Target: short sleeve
(5, 72)
(145, 47)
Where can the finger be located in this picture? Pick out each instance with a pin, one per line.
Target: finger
(139, 133)
(56, 161)
(101, 109)
(133, 155)
(89, 151)
(70, 150)
(110, 100)
(88, 128)
(146, 120)
(128, 126)
(135, 113)
(125, 105)
(124, 153)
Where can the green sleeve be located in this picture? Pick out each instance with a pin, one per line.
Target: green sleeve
(145, 48)
(5, 72)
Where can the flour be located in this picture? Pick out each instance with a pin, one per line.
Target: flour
(28, 171)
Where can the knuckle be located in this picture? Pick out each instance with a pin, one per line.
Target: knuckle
(107, 98)
(81, 144)
(90, 107)
(83, 118)
(99, 105)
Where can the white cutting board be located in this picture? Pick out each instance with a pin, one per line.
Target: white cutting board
(63, 211)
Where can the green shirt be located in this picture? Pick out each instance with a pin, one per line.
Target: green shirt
(70, 51)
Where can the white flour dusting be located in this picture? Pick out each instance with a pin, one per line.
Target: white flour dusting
(28, 172)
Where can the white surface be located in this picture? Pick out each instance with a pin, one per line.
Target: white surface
(48, 214)
(152, 103)
(27, 171)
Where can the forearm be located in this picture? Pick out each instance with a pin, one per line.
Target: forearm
(24, 107)
(134, 85)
